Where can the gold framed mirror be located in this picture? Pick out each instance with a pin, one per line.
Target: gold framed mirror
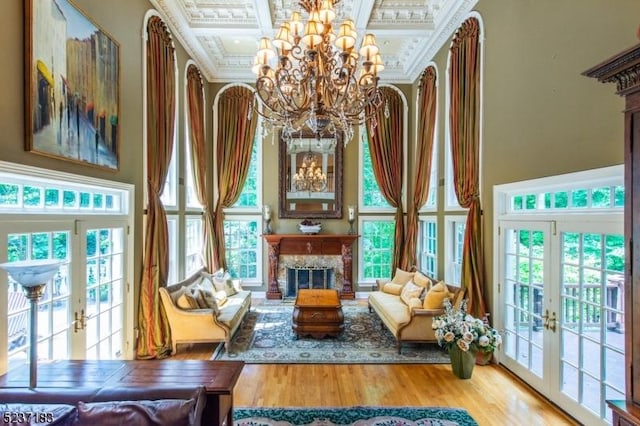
(310, 177)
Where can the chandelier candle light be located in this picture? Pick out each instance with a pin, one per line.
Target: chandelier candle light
(310, 177)
(315, 82)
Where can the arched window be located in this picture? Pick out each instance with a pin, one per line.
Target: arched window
(376, 221)
(243, 220)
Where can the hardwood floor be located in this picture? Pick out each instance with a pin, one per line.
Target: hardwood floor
(493, 396)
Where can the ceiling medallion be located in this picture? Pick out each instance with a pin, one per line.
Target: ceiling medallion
(316, 80)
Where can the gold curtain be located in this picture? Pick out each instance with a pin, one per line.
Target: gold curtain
(237, 122)
(427, 97)
(464, 119)
(195, 105)
(154, 334)
(386, 148)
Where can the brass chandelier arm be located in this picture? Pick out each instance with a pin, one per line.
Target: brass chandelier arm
(315, 81)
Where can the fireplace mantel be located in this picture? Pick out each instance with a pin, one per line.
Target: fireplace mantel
(312, 245)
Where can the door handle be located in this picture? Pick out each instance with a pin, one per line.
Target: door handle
(545, 317)
(552, 322)
(79, 321)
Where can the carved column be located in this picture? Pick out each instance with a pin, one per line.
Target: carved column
(347, 288)
(274, 254)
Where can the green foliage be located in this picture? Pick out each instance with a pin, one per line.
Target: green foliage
(241, 239)
(9, 194)
(377, 239)
(562, 200)
(31, 196)
(249, 195)
(372, 197)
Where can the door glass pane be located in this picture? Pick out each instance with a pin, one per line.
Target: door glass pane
(524, 286)
(104, 293)
(53, 306)
(592, 318)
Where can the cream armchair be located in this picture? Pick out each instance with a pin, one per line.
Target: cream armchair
(202, 325)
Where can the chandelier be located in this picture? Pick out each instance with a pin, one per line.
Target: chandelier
(316, 81)
(309, 177)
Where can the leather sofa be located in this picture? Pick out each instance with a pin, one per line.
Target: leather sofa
(171, 406)
(409, 317)
(199, 324)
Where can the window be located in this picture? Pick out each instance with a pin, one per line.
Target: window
(243, 220)
(375, 247)
(242, 237)
(453, 244)
(371, 196)
(250, 195)
(193, 244)
(428, 246)
(432, 200)
(190, 185)
(174, 268)
(86, 223)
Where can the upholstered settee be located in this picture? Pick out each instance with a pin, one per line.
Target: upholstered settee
(171, 406)
(204, 308)
(408, 303)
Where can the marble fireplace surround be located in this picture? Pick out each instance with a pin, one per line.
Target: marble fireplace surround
(300, 250)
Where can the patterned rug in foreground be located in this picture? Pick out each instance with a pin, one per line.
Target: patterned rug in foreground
(266, 337)
(354, 416)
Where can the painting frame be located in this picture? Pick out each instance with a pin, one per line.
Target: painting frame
(72, 86)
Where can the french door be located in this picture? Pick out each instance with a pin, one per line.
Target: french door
(82, 313)
(562, 310)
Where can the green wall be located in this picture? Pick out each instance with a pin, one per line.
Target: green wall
(541, 117)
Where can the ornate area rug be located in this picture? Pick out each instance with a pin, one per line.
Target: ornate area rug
(355, 416)
(266, 337)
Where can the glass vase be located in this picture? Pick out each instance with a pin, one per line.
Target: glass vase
(462, 362)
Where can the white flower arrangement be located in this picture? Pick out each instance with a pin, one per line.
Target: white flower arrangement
(457, 328)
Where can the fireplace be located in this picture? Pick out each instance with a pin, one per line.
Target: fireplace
(308, 278)
(323, 247)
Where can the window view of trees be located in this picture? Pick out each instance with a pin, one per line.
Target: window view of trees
(598, 197)
(249, 195)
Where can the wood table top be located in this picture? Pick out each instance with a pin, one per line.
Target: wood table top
(328, 298)
(216, 376)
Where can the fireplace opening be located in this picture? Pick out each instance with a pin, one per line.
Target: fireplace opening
(308, 278)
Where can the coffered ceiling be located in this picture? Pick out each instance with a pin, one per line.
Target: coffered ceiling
(222, 35)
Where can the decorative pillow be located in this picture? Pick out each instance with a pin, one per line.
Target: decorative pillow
(415, 303)
(199, 296)
(410, 291)
(392, 288)
(210, 301)
(230, 288)
(422, 280)
(224, 284)
(221, 297)
(187, 301)
(237, 285)
(436, 295)
(219, 273)
(143, 412)
(402, 277)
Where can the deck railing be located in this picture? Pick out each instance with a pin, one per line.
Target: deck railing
(585, 308)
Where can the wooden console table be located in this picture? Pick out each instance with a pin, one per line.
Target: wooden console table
(218, 377)
(312, 245)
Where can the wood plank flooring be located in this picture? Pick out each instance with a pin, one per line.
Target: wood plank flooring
(493, 396)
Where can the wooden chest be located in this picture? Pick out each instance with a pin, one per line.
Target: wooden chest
(317, 313)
